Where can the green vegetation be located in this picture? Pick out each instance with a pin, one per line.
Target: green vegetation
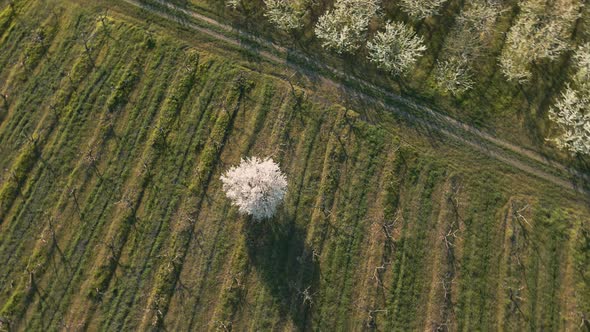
(517, 112)
(112, 216)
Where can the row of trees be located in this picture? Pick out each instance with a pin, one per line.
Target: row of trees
(288, 14)
(541, 31)
(344, 29)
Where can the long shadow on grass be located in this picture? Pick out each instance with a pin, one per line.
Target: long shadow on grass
(286, 266)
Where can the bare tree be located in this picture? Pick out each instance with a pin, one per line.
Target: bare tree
(233, 4)
(91, 159)
(306, 294)
(378, 272)
(372, 312)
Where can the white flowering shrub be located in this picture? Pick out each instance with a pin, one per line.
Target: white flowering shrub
(256, 187)
(572, 111)
(420, 9)
(344, 28)
(396, 49)
(542, 31)
(285, 14)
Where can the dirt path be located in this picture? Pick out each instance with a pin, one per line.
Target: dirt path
(446, 125)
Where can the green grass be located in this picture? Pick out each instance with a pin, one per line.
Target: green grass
(113, 218)
(518, 113)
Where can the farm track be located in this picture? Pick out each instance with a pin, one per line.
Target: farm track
(508, 153)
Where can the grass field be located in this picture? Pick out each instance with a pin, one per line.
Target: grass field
(113, 136)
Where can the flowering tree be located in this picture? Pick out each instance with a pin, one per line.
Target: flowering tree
(256, 186)
(396, 49)
(572, 110)
(469, 36)
(233, 4)
(421, 8)
(344, 28)
(454, 75)
(285, 14)
(542, 31)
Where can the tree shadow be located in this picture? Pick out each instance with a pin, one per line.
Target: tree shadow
(285, 264)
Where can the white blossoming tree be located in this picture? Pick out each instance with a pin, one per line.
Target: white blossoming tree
(464, 45)
(344, 28)
(285, 14)
(572, 110)
(542, 31)
(572, 114)
(420, 9)
(256, 186)
(396, 49)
